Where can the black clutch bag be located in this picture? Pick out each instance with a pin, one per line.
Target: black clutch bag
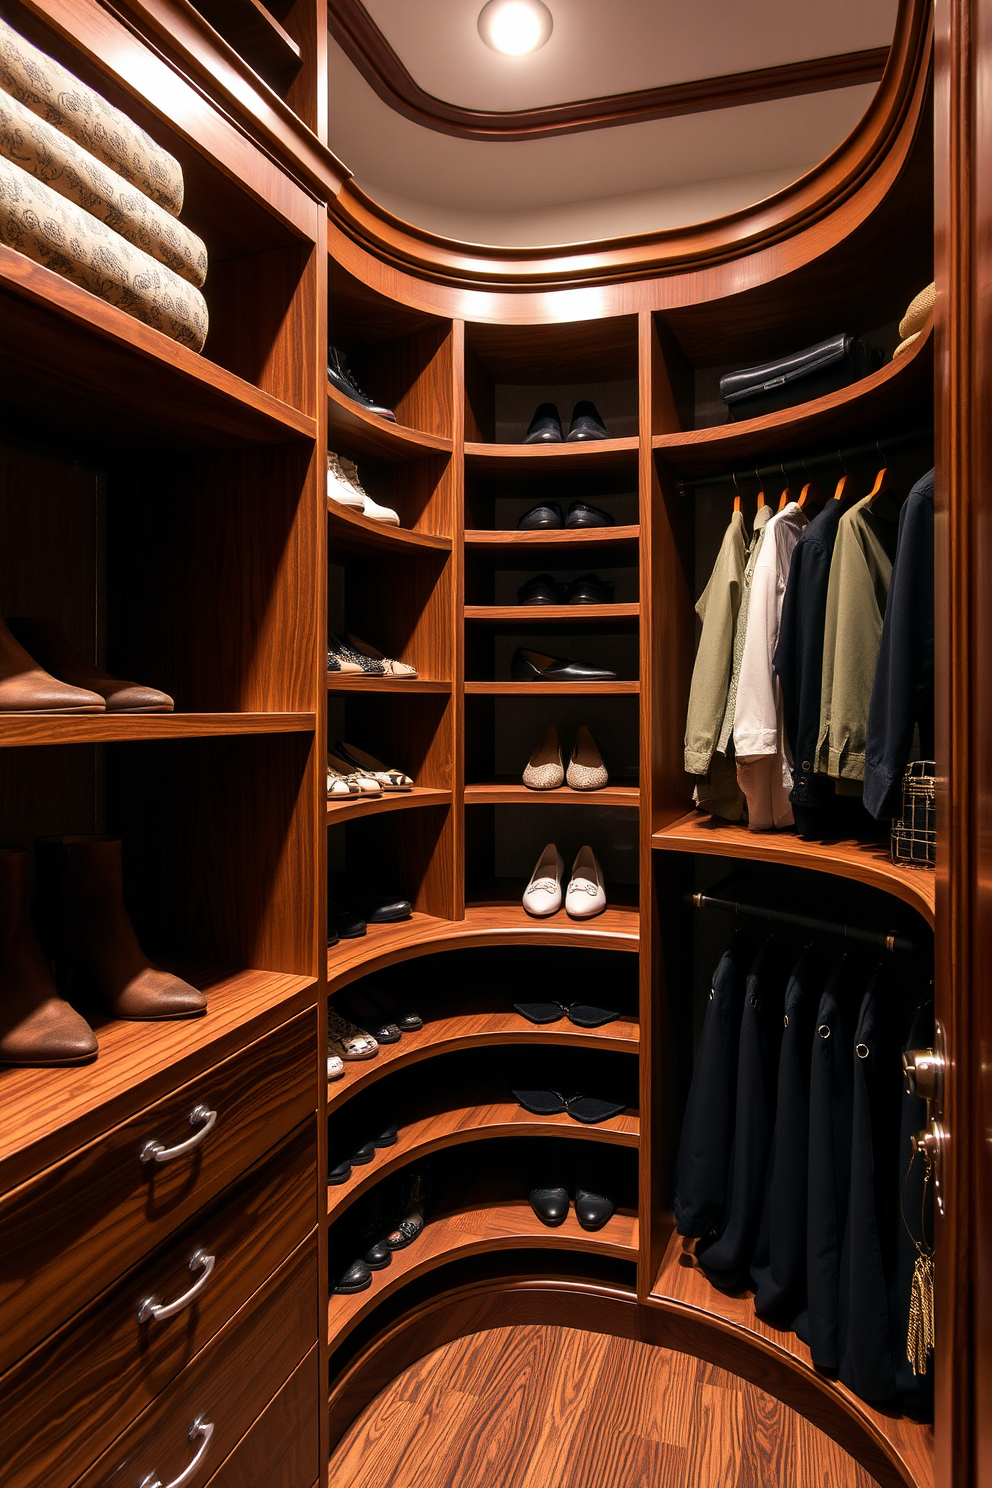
(797, 378)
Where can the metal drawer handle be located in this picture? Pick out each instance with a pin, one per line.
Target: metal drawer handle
(200, 1428)
(201, 1116)
(159, 1312)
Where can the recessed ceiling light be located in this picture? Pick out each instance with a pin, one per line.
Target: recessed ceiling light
(515, 27)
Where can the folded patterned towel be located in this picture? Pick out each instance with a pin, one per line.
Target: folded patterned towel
(53, 93)
(44, 226)
(44, 151)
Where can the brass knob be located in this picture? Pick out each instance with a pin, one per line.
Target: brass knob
(924, 1070)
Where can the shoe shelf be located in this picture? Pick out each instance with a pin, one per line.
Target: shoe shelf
(513, 792)
(19, 730)
(59, 342)
(475, 1231)
(548, 545)
(542, 460)
(527, 689)
(470, 1123)
(351, 682)
(498, 902)
(351, 532)
(354, 806)
(138, 1064)
(367, 434)
(451, 1030)
(903, 1446)
(521, 615)
(864, 862)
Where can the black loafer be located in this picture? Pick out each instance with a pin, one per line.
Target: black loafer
(581, 514)
(589, 589)
(363, 1154)
(534, 666)
(406, 1231)
(340, 376)
(542, 590)
(586, 423)
(407, 1019)
(378, 1256)
(550, 1205)
(357, 1278)
(545, 426)
(547, 515)
(332, 937)
(341, 1173)
(388, 1137)
(342, 922)
(381, 909)
(592, 1210)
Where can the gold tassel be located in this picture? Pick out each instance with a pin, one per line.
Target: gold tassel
(919, 1341)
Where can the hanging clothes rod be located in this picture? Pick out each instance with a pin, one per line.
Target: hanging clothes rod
(886, 941)
(784, 468)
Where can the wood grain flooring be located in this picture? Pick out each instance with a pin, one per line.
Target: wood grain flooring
(543, 1407)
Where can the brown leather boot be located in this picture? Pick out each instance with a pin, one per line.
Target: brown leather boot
(26, 688)
(36, 1026)
(49, 646)
(86, 928)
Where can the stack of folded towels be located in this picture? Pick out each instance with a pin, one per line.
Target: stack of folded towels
(91, 196)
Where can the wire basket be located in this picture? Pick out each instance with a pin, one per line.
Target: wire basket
(914, 835)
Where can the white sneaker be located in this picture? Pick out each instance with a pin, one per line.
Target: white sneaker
(339, 488)
(542, 896)
(377, 513)
(585, 895)
(335, 1067)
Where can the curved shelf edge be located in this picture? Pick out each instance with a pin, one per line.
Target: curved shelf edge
(353, 806)
(576, 536)
(371, 435)
(602, 454)
(562, 689)
(530, 615)
(353, 530)
(471, 1124)
(864, 862)
(514, 792)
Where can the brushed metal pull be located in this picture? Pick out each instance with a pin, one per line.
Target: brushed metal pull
(200, 1430)
(200, 1116)
(159, 1312)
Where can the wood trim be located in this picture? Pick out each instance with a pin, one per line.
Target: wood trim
(362, 42)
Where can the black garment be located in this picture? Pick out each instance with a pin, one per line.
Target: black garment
(726, 1260)
(707, 1129)
(779, 1271)
(831, 1089)
(902, 697)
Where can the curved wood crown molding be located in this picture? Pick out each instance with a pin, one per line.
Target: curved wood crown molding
(358, 36)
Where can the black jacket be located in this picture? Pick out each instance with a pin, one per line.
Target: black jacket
(902, 697)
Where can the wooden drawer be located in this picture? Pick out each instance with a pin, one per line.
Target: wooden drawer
(76, 1227)
(281, 1449)
(99, 1371)
(227, 1385)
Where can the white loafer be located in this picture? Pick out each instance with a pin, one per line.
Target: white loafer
(335, 1066)
(542, 896)
(585, 895)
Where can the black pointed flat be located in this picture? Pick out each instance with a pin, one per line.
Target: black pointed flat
(540, 1012)
(586, 423)
(550, 1205)
(546, 515)
(535, 666)
(545, 426)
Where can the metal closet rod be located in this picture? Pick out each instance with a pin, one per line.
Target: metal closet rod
(886, 940)
(784, 468)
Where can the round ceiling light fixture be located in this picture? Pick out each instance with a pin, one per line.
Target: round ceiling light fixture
(515, 27)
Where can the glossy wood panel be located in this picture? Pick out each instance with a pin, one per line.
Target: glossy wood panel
(281, 1448)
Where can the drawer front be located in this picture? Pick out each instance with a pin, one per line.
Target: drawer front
(101, 1370)
(225, 1388)
(75, 1228)
(281, 1449)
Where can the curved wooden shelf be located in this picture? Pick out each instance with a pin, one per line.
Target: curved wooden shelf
(452, 1029)
(558, 459)
(895, 389)
(551, 542)
(469, 1124)
(354, 806)
(350, 531)
(512, 792)
(524, 689)
(366, 433)
(531, 615)
(499, 1226)
(19, 730)
(864, 862)
(351, 682)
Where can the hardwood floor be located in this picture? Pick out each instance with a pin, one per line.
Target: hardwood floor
(538, 1407)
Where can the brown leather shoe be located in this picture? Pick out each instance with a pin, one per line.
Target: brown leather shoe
(36, 1026)
(86, 927)
(49, 646)
(26, 688)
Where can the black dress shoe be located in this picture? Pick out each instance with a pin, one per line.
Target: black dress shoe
(545, 426)
(379, 1256)
(366, 1014)
(586, 423)
(343, 922)
(581, 514)
(592, 1210)
(406, 1231)
(550, 1205)
(542, 590)
(534, 666)
(406, 1018)
(388, 1136)
(381, 909)
(332, 937)
(341, 1173)
(363, 1154)
(589, 590)
(339, 375)
(357, 1278)
(547, 514)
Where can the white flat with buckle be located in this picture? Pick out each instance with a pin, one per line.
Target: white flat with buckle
(585, 896)
(542, 895)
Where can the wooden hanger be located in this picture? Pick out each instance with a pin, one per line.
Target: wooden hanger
(761, 499)
(737, 493)
(846, 492)
(810, 498)
(785, 498)
(885, 485)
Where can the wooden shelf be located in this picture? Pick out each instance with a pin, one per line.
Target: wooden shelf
(551, 542)
(61, 345)
(352, 532)
(615, 929)
(835, 419)
(865, 862)
(449, 1027)
(366, 433)
(467, 1124)
(530, 615)
(48, 1113)
(524, 689)
(513, 792)
(546, 459)
(352, 682)
(254, 33)
(476, 1231)
(354, 806)
(21, 730)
